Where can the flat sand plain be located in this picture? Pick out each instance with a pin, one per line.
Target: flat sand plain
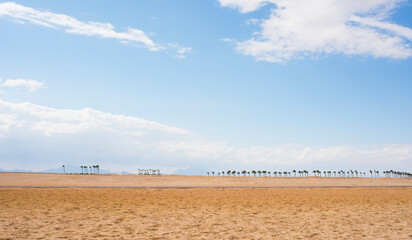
(105, 180)
(205, 213)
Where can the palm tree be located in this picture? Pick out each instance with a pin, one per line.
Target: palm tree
(244, 173)
(213, 173)
(234, 173)
(259, 172)
(248, 173)
(64, 169)
(228, 172)
(294, 172)
(254, 173)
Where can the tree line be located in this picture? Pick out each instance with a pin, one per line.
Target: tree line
(86, 169)
(315, 173)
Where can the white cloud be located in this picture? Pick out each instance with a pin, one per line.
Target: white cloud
(244, 6)
(54, 121)
(22, 14)
(29, 84)
(39, 137)
(298, 29)
(252, 21)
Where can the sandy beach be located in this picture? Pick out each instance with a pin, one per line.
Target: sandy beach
(99, 212)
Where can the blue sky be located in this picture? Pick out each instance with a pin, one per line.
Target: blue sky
(206, 84)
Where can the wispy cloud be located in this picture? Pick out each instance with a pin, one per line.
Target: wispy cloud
(227, 40)
(43, 136)
(28, 84)
(180, 50)
(22, 14)
(299, 29)
(252, 21)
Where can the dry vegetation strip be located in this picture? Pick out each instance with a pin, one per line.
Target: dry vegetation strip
(377, 213)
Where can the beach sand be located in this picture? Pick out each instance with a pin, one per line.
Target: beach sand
(204, 213)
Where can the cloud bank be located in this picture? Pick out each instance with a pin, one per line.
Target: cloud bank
(298, 29)
(22, 15)
(38, 138)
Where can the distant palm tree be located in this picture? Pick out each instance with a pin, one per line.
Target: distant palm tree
(234, 173)
(248, 173)
(254, 173)
(259, 172)
(213, 173)
(294, 172)
(64, 169)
